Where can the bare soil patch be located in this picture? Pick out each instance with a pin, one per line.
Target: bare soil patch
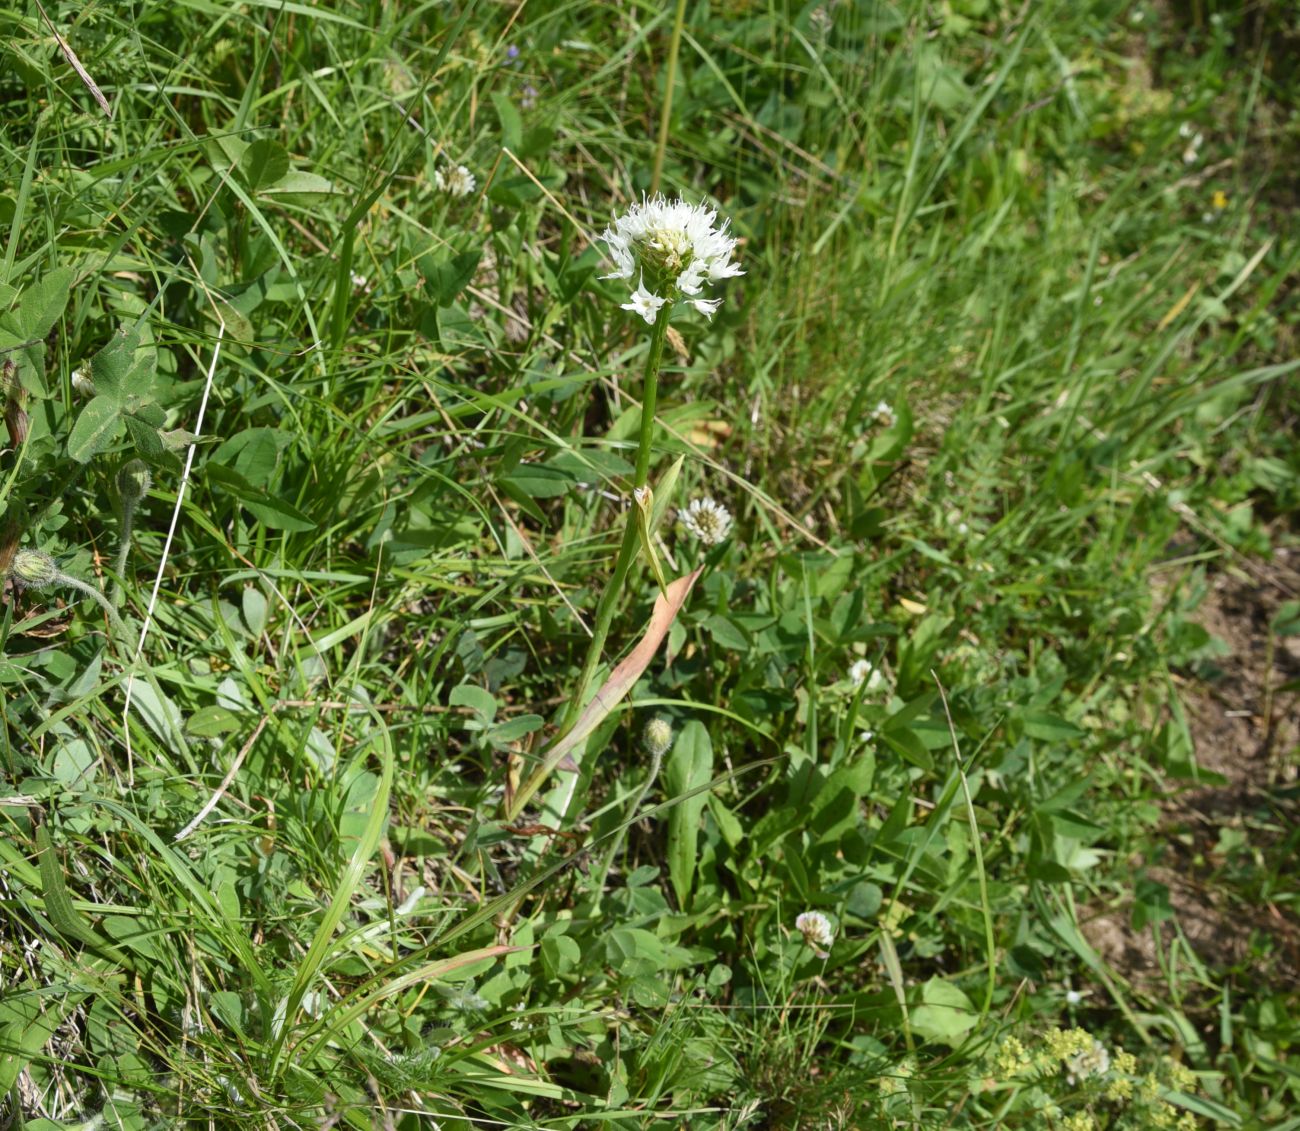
(1227, 834)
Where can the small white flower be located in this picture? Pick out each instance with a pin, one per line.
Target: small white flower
(817, 932)
(1186, 130)
(1094, 1061)
(706, 519)
(677, 243)
(1073, 997)
(884, 414)
(644, 303)
(359, 281)
(864, 672)
(456, 182)
(81, 383)
(518, 1022)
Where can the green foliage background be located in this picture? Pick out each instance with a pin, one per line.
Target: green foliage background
(390, 432)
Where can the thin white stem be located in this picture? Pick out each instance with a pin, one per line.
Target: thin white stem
(167, 545)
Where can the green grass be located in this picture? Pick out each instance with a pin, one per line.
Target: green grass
(255, 866)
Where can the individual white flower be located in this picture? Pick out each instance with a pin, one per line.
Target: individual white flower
(81, 383)
(455, 182)
(884, 414)
(1093, 1061)
(864, 672)
(1186, 130)
(1073, 997)
(645, 303)
(681, 246)
(518, 1022)
(1193, 151)
(706, 519)
(817, 932)
(359, 281)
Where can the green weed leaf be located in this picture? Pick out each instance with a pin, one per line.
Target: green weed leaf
(690, 767)
(95, 428)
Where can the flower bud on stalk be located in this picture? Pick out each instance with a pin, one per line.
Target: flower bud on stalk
(33, 569)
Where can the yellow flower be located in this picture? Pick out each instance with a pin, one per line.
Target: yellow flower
(1012, 1058)
(1120, 1088)
(1219, 200)
(1181, 1077)
(1065, 1043)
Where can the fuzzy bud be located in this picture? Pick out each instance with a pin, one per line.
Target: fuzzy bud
(133, 482)
(33, 569)
(657, 737)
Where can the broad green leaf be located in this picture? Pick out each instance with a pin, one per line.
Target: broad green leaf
(512, 125)
(263, 163)
(44, 301)
(476, 699)
(299, 187)
(447, 274)
(95, 428)
(690, 766)
(1039, 724)
(945, 1013)
(110, 366)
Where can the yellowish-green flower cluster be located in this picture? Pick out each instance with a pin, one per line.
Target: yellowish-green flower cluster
(1079, 1121)
(1065, 1043)
(1012, 1059)
(1124, 1067)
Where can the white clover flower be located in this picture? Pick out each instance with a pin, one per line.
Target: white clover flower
(706, 519)
(1186, 130)
(677, 245)
(359, 281)
(644, 303)
(817, 932)
(864, 672)
(1093, 1061)
(82, 383)
(455, 182)
(884, 414)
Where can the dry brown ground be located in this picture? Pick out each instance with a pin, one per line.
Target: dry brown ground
(1247, 734)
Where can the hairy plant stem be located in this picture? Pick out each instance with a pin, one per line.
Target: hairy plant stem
(115, 592)
(627, 552)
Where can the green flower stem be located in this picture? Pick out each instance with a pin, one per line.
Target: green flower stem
(115, 593)
(627, 552)
(670, 81)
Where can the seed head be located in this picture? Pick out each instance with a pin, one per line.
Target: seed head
(33, 569)
(657, 737)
